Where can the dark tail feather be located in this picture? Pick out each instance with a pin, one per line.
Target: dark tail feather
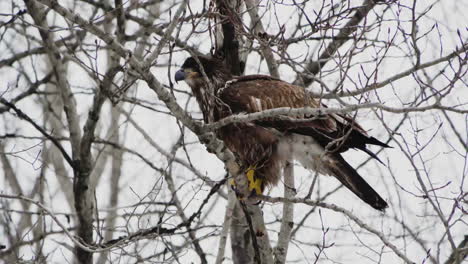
(374, 141)
(349, 177)
(372, 154)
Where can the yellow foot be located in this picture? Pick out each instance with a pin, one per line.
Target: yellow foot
(254, 182)
(232, 182)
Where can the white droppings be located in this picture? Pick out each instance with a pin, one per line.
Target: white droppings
(305, 150)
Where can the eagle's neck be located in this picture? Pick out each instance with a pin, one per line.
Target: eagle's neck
(205, 94)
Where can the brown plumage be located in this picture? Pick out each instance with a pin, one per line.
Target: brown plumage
(266, 145)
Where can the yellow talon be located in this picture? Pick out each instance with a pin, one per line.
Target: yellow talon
(254, 183)
(232, 182)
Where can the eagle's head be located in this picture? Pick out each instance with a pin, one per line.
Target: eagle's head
(191, 72)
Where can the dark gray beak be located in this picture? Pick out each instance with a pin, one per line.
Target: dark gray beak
(179, 75)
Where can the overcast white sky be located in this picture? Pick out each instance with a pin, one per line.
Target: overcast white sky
(395, 181)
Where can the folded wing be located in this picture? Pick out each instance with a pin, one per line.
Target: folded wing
(336, 132)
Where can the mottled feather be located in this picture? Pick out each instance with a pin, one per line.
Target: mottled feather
(269, 143)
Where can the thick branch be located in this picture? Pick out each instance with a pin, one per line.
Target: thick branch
(230, 48)
(257, 30)
(231, 202)
(69, 103)
(287, 221)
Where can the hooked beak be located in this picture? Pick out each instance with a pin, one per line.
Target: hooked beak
(179, 75)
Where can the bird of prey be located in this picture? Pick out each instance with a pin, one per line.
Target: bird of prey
(264, 146)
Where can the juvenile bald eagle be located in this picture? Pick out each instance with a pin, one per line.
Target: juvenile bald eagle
(264, 146)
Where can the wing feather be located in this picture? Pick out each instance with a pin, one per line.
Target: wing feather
(249, 96)
(255, 93)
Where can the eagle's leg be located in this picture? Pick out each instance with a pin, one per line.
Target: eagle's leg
(255, 183)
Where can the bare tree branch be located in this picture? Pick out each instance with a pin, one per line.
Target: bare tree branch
(345, 212)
